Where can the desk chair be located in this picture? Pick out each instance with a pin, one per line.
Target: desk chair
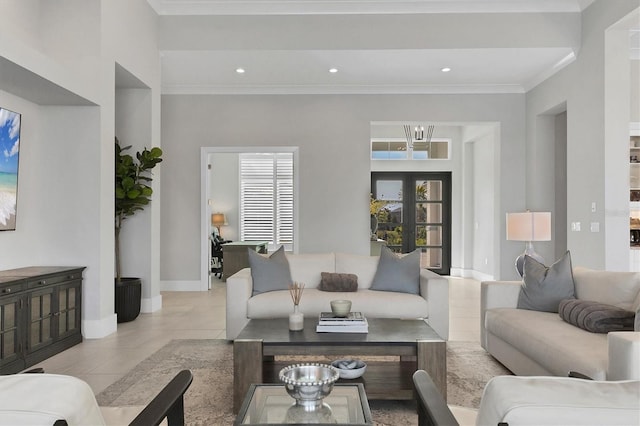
(217, 255)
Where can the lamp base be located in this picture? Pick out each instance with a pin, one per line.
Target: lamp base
(529, 251)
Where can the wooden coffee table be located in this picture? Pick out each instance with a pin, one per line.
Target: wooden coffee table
(416, 344)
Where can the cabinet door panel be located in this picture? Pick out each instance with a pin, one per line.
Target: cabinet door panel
(41, 327)
(9, 330)
(69, 308)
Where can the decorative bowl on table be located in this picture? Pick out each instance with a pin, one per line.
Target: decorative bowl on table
(349, 368)
(341, 308)
(309, 383)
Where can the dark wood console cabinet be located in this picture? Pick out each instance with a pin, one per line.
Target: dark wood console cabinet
(40, 314)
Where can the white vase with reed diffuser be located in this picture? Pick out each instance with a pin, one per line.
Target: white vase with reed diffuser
(296, 318)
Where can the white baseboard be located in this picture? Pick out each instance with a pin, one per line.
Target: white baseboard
(470, 273)
(151, 305)
(181, 286)
(97, 329)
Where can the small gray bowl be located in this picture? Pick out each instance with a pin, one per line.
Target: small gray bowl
(309, 383)
(342, 365)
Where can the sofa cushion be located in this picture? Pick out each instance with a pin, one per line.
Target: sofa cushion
(306, 268)
(621, 289)
(269, 273)
(595, 317)
(363, 266)
(557, 346)
(373, 304)
(333, 281)
(397, 273)
(544, 287)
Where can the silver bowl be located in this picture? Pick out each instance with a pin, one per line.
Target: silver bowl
(309, 383)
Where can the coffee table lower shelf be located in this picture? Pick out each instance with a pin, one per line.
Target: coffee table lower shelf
(382, 379)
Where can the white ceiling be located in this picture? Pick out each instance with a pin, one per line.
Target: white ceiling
(288, 46)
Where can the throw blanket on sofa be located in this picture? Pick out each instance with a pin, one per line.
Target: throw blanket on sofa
(595, 317)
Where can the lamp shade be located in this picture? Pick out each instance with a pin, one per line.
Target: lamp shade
(529, 226)
(218, 219)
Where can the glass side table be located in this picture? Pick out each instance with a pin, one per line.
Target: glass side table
(269, 404)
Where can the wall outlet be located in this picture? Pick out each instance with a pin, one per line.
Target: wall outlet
(593, 207)
(575, 226)
(595, 226)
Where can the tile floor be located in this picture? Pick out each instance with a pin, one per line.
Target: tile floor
(198, 315)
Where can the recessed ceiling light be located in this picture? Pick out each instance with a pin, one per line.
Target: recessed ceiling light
(445, 69)
(333, 70)
(240, 70)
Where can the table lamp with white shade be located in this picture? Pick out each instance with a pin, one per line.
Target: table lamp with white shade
(528, 226)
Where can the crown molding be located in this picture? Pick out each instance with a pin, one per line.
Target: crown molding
(342, 90)
(304, 7)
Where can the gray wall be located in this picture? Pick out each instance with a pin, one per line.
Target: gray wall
(333, 135)
(597, 144)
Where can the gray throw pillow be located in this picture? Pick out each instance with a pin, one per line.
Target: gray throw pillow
(595, 317)
(334, 281)
(396, 273)
(544, 287)
(269, 273)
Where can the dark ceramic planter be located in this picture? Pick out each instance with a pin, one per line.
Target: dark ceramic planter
(128, 294)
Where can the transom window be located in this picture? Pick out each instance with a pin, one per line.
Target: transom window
(390, 149)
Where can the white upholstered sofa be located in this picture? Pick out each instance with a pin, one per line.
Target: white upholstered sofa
(432, 303)
(534, 343)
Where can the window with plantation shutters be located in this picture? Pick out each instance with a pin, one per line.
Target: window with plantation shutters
(266, 198)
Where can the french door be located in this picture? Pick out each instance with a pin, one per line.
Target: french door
(413, 211)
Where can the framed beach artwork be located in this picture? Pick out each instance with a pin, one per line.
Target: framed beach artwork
(9, 154)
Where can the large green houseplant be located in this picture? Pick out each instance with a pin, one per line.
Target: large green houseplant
(132, 194)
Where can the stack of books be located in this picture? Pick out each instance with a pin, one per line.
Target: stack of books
(355, 322)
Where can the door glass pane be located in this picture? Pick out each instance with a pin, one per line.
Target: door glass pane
(62, 323)
(388, 209)
(71, 316)
(72, 298)
(46, 304)
(428, 213)
(35, 333)
(8, 344)
(431, 258)
(62, 300)
(9, 319)
(389, 190)
(428, 235)
(35, 308)
(46, 329)
(428, 190)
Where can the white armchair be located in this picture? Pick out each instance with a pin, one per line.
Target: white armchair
(540, 401)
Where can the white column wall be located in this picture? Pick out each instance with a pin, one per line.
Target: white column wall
(590, 167)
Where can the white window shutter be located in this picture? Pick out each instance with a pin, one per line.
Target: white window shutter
(266, 198)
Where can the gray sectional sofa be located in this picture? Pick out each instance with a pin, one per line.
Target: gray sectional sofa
(535, 343)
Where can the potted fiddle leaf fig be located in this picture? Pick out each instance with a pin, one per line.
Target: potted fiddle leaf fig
(132, 194)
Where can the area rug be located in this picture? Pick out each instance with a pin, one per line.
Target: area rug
(209, 399)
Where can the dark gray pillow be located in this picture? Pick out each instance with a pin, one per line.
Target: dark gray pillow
(544, 287)
(595, 317)
(395, 273)
(333, 281)
(269, 273)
